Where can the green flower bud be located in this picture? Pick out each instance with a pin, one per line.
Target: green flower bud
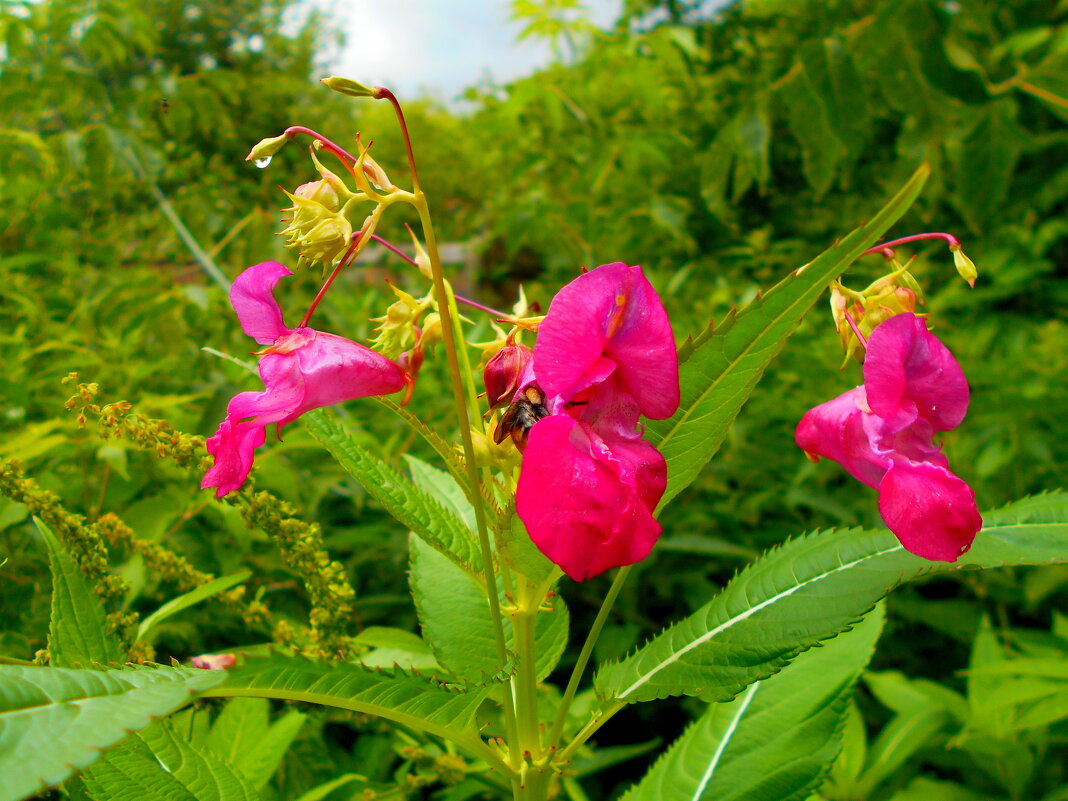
(266, 148)
(397, 332)
(349, 87)
(964, 265)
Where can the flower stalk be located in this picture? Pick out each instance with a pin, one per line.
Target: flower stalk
(463, 396)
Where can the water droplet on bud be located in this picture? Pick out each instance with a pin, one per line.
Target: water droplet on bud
(261, 163)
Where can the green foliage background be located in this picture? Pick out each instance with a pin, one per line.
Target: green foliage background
(717, 149)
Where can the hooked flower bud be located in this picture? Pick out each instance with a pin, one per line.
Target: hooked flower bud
(502, 373)
(964, 265)
(266, 148)
(347, 86)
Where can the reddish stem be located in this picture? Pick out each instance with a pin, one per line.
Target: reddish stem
(856, 330)
(345, 260)
(292, 131)
(474, 304)
(382, 92)
(949, 239)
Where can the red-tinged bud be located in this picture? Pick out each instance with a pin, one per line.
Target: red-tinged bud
(502, 373)
(322, 192)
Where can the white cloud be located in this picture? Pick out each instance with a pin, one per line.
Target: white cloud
(439, 47)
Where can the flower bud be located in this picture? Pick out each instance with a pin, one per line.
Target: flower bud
(502, 373)
(964, 265)
(398, 332)
(321, 191)
(326, 241)
(347, 86)
(266, 148)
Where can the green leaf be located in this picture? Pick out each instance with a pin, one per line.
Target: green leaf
(443, 488)
(159, 763)
(191, 598)
(454, 613)
(130, 772)
(808, 590)
(77, 635)
(776, 741)
(405, 698)
(724, 366)
(55, 721)
(396, 647)
(413, 507)
(244, 737)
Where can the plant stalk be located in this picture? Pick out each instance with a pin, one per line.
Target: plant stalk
(452, 348)
(584, 655)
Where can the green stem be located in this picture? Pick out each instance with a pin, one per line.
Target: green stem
(535, 784)
(589, 730)
(584, 655)
(452, 351)
(527, 679)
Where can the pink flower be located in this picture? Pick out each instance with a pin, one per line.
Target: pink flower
(302, 369)
(589, 483)
(212, 661)
(882, 433)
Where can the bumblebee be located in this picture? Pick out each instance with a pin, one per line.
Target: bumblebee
(521, 416)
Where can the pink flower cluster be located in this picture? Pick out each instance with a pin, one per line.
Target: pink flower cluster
(883, 433)
(302, 369)
(589, 483)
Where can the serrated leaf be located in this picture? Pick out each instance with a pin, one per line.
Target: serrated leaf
(405, 698)
(454, 613)
(158, 763)
(723, 367)
(244, 737)
(808, 590)
(777, 740)
(77, 633)
(191, 598)
(413, 507)
(130, 772)
(55, 721)
(443, 488)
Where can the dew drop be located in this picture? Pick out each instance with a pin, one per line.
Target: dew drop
(261, 163)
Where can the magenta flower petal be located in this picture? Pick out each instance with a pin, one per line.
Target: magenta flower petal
(233, 448)
(252, 296)
(909, 373)
(931, 511)
(835, 430)
(587, 501)
(610, 321)
(336, 369)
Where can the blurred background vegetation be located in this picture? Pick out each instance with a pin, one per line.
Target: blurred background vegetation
(719, 149)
